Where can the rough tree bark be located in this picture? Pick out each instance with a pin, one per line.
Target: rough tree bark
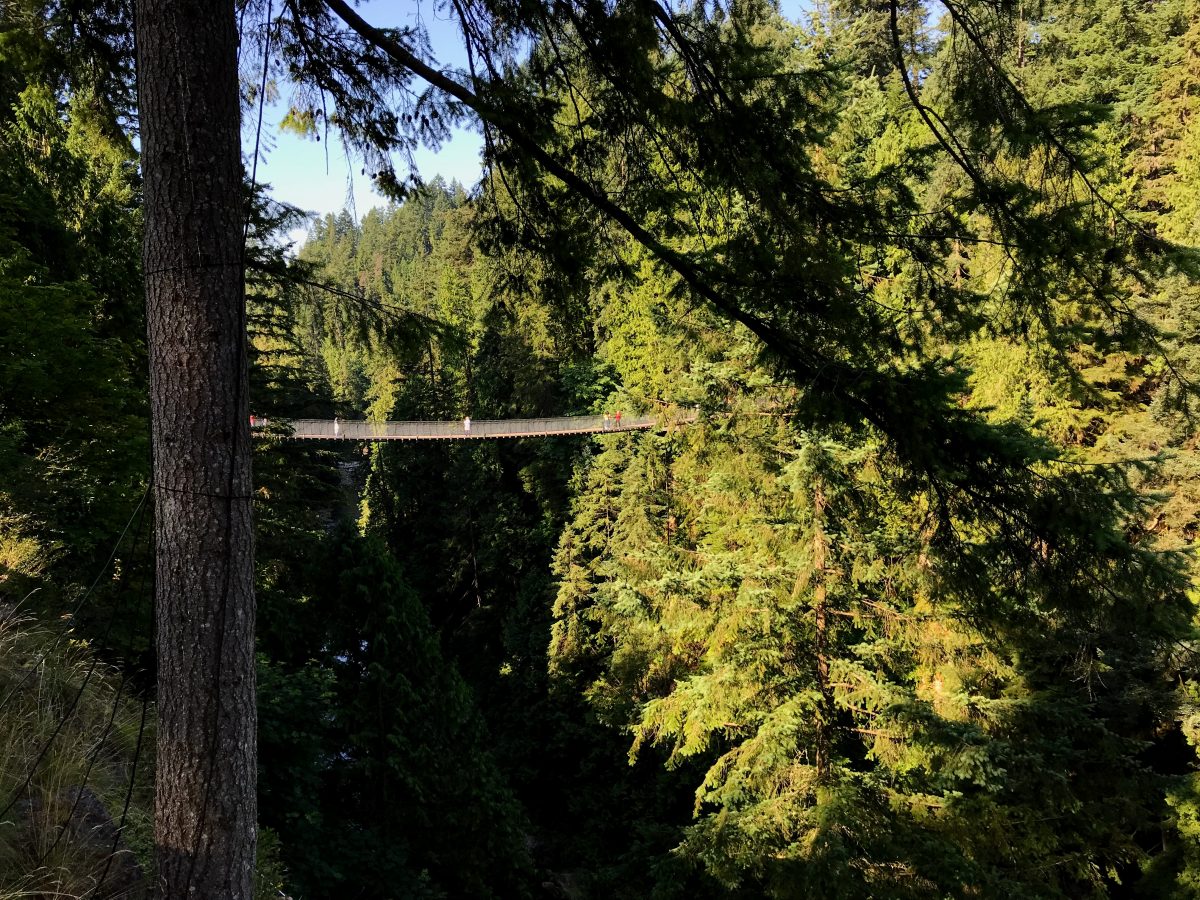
(205, 807)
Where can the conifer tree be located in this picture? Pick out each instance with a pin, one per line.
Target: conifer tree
(881, 705)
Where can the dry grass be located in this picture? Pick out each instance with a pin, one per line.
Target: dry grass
(66, 719)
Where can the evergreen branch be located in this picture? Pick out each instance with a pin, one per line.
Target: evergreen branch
(429, 322)
(1076, 167)
(949, 142)
(519, 136)
(947, 139)
(941, 443)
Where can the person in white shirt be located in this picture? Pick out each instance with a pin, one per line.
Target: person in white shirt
(466, 424)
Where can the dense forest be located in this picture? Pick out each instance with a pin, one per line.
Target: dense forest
(907, 610)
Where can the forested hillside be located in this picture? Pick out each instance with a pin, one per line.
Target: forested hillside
(908, 610)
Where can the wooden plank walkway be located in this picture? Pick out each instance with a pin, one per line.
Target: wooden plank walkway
(356, 430)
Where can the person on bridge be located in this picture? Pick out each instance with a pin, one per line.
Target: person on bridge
(466, 424)
(618, 418)
(337, 427)
(607, 423)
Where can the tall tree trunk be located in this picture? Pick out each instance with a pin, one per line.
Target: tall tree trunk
(205, 805)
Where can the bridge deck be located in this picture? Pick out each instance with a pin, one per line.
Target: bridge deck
(325, 429)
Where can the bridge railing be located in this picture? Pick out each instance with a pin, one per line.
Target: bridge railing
(358, 430)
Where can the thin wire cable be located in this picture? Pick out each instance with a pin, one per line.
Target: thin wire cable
(78, 606)
(145, 562)
(137, 754)
(137, 749)
(70, 709)
(87, 772)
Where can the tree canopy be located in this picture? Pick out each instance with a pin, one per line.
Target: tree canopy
(908, 610)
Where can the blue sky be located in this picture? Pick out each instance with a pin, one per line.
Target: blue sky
(319, 178)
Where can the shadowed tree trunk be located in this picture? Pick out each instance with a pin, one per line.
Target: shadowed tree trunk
(205, 807)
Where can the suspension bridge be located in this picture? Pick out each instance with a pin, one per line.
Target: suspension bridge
(357, 430)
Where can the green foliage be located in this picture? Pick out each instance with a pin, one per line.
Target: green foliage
(376, 769)
(73, 449)
(903, 614)
(270, 876)
(883, 614)
(885, 705)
